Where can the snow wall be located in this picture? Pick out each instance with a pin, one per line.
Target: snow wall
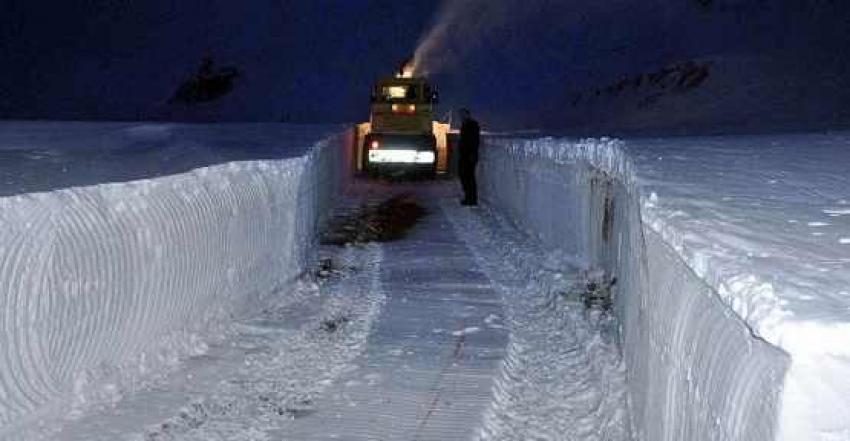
(103, 286)
(695, 370)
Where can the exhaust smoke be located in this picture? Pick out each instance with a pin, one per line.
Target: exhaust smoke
(459, 26)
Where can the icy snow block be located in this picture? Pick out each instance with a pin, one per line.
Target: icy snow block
(103, 286)
(696, 372)
(760, 219)
(542, 198)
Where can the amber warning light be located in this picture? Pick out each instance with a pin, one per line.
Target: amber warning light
(406, 70)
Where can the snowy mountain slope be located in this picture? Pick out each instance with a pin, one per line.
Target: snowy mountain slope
(776, 65)
(300, 62)
(715, 95)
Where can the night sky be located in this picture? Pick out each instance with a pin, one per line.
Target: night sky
(518, 64)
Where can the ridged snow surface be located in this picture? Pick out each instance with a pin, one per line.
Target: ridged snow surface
(103, 286)
(732, 269)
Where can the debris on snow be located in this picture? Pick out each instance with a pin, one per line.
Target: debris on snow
(333, 324)
(387, 221)
(593, 289)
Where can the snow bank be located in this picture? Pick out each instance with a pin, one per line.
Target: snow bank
(761, 220)
(105, 285)
(37, 156)
(732, 320)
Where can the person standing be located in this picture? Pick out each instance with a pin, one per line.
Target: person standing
(470, 138)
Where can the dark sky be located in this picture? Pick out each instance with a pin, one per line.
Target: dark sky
(120, 59)
(523, 66)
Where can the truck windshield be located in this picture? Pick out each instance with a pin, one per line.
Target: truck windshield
(391, 93)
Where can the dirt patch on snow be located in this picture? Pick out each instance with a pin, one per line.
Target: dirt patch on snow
(387, 221)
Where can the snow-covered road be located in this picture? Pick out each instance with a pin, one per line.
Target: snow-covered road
(461, 330)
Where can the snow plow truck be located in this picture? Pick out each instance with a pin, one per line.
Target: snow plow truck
(400, 136)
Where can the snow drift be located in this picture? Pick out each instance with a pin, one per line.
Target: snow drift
(710, 354)
(105, 285)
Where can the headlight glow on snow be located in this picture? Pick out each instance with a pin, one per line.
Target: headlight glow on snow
(401, 157)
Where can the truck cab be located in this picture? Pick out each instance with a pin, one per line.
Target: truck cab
(401, 137)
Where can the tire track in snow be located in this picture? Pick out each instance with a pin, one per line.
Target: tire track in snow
(562, 377)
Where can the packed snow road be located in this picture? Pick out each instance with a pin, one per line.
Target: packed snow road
(463, 329)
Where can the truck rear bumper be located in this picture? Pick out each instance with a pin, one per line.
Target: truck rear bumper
(398, 156)
(398, 169)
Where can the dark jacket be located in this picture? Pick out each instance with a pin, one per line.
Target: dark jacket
(470, 138)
